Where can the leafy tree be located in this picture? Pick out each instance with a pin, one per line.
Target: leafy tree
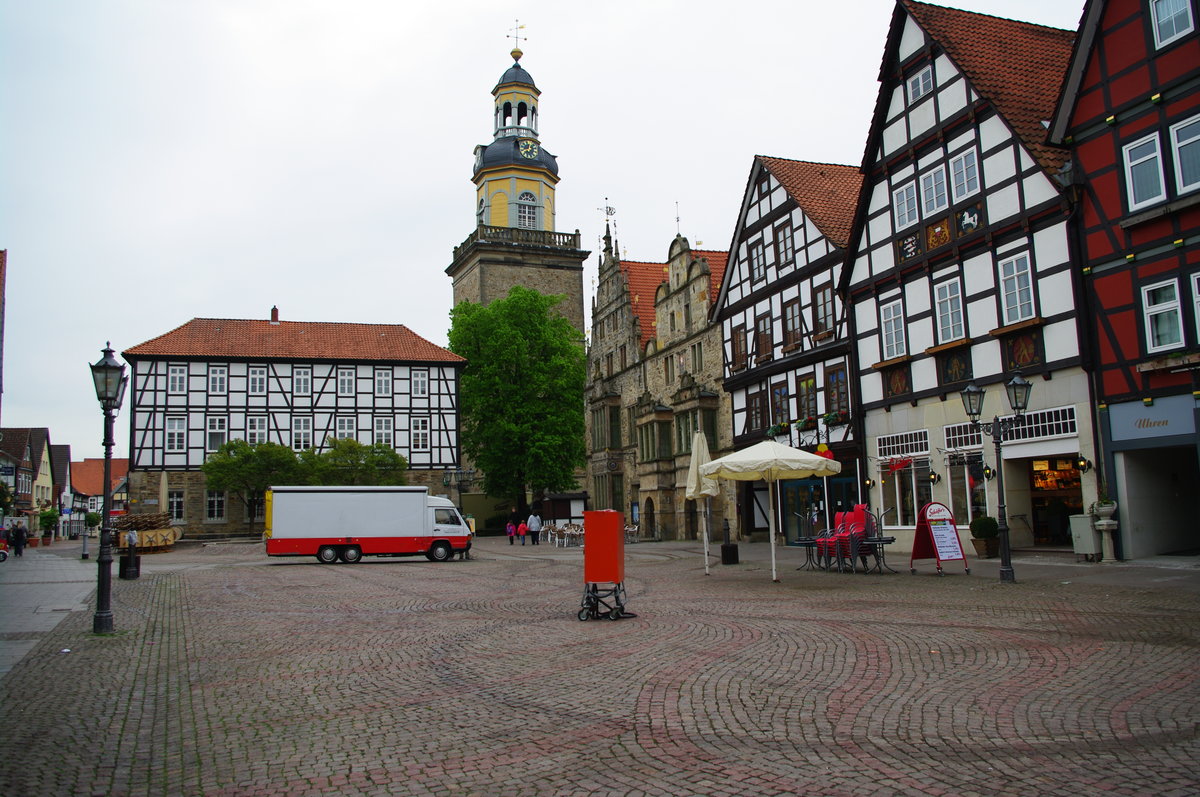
(6, 500)
(48, 521)
(521, 412)
(349, 462)
(247, 470)
(91, 520)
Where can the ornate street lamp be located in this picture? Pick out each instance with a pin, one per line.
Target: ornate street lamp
(1018, 390)
(110, 379)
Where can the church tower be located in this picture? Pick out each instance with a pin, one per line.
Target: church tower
(514, 242)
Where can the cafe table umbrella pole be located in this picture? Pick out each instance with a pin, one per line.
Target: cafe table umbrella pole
(699, 485)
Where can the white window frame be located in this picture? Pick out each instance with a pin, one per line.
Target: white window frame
(527, 211)
(1192, 145)
(256, 429)
(420, 383)
(218, 380)
(177, 380)
(419, 434)
(383, 382)
(1014, 306)
(904, 205)
(1150, 312)
(1130, 164)
(934, 182)
(1196, 302)
(302, 432)
(1181, 5)
(175, 435)
(919, 85)
(218, 425)
(948, 300)
(346, 381)
(301, 381)
(891, 330)
(383, 433)
(344, 427)
(966, 166)
(758, 260)
(176, 499)
(256, 381)
(214, 506)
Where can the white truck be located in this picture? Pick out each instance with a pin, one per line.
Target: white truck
(348, 523)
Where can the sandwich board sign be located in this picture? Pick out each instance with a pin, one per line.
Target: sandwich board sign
(937, 538)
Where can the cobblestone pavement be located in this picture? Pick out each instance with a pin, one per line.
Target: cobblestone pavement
(232, 674)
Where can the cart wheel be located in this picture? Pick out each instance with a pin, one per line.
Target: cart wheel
(584, 613)
(3, 556)
(615, 613)
(941, 572)
(968, 571)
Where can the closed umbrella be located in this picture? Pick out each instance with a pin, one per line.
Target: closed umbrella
(698, 485)
(770, 461)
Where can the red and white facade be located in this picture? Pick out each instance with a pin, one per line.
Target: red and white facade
(1130, 116)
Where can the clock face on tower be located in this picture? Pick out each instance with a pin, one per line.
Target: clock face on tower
(529, 149)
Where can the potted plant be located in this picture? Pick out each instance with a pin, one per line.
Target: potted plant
(808, 424)
(836, 418)
(48, 521)
(1103, 507)
(984, 531)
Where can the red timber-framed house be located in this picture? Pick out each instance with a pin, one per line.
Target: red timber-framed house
(653, 380)
(1130, 114)
(783, 324)
(962, 272)
(294, 383)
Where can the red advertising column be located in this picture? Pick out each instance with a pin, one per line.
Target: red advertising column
(603, 546)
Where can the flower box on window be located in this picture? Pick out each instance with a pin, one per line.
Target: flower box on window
(808, 424)
(838, 418)
(779, 429)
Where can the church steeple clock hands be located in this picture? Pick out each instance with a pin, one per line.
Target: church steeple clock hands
(514, 242)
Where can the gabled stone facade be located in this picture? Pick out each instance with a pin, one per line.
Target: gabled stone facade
(654, 378)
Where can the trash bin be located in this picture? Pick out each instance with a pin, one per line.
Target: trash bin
(1084, 538)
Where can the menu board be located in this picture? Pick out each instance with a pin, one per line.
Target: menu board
(937, 537)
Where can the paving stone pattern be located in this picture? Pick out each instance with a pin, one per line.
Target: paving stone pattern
(232, 674)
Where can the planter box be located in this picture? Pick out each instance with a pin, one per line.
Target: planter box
(986, 549)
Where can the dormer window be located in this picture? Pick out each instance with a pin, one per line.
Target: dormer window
(920, 84)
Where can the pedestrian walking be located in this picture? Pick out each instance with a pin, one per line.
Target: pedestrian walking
(522, 530)
(535, 526)
(19, 538)
(511, 528)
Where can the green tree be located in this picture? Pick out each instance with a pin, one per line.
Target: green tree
(48, 521)
(349, 462)
(521, 409)
(6, 500)
(247, 471)
(91, 520)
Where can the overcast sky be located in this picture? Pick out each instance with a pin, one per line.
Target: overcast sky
(161, 161)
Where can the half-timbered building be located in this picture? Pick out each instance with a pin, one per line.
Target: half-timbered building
(1130, 114)
(654, 371)
(298, 384)
(961, 272)
(783, 325)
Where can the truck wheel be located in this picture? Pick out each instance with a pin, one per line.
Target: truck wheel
(327, 554)
(351, 554)
(440, 552)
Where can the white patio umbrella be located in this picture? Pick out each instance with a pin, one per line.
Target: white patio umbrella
(698, 485)
(770, 461)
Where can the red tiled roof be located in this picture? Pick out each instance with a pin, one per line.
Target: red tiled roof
(87, 477)
(826, 192)
(643, 280)
(1018, 66)
(293, 340)
(716, 270)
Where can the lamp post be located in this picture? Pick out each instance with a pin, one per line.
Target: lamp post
(1018, 390)
(109, 377)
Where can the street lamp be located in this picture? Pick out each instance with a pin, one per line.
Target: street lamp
(110, 379)
(1018, 390)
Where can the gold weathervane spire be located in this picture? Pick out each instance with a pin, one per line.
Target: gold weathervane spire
(516, 36)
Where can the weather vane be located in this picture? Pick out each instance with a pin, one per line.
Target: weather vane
(516, 34)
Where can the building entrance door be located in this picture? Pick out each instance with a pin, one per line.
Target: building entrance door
(1055, 494)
